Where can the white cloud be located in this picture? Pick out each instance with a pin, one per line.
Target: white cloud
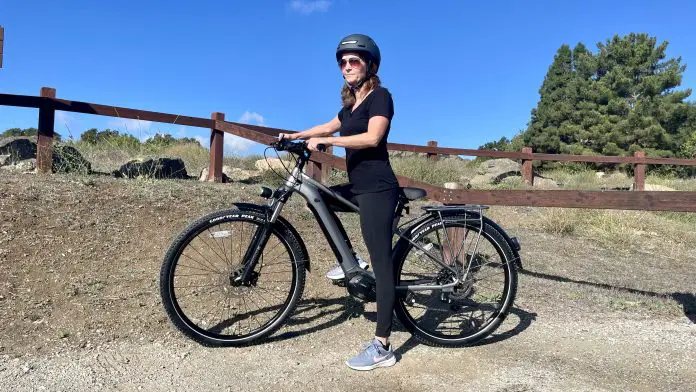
(308, 7)
(238, 144)
(251, 118)
(235, 143)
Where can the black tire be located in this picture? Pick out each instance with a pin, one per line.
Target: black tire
(185, 262)
(442, 310)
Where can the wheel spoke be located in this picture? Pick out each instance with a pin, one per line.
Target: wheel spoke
(475, 302)
(202, 288)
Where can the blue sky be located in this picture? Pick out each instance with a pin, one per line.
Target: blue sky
(461, 73)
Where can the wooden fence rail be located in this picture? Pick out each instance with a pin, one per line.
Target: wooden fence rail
(47, 103)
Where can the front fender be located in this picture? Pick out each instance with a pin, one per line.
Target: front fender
(281, 221)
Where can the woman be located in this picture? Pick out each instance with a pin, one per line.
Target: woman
(364, 124)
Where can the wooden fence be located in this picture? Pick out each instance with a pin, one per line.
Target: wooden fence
(47, 103)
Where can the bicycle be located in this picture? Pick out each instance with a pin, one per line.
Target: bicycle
(222, 293)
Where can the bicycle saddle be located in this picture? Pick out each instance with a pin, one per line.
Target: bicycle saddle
(413, 193)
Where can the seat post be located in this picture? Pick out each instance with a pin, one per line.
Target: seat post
(400, 206)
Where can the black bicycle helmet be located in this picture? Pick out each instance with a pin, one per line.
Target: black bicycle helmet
(360, 43)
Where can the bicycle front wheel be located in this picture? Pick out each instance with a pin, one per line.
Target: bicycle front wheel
(197, 287)
(473, 308)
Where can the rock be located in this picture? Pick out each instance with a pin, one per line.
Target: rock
(204, 175)
(18, 149)
(68, 159)
(654, 187)
(482, 179)
(457, 185)
(240, 175)
(499, 165)
(600, 174)
(495, 170)
(275, 163)
(153, 168)
(24, 166)
(545, 183)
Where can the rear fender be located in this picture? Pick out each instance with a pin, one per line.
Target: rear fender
(513, 242)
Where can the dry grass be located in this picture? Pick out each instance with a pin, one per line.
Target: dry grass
(625, 229)
(436, 173)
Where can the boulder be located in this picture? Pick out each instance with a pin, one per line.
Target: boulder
(240, 175)
(66, 159)
(654, 187)
(204, 175)
(18, 149)
(24, 166)
(495, 170)
(153, 168)
(482, 179)
(545, 183)
(275, 163)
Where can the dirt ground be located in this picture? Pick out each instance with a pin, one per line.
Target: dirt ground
(80, 306)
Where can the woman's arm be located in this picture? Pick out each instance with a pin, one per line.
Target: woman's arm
(376, 128)
(320, 130)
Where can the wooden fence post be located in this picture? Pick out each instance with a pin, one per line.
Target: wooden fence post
(326, 168)
(527, 173)
(432, 156)
(44, 137)
(316, 170)
(216, 149)
(639, 173)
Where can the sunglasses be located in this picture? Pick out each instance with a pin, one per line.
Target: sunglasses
(354, 61)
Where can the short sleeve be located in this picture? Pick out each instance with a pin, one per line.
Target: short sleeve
(382, 104)
(340, 115)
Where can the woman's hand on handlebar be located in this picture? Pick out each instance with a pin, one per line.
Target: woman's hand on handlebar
(288, 136)
(317, 144)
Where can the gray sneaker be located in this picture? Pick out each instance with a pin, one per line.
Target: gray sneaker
(372, 356)
(336, 273)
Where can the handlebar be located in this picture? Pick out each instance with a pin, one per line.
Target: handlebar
(299, 147)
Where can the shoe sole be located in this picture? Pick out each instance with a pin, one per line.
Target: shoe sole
(386, 363)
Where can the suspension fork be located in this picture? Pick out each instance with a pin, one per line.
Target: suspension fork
(258, 243)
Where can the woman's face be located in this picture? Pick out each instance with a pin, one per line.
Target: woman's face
(352, 67)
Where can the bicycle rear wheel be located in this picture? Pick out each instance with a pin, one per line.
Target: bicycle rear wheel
(472, 309)
(196, 279)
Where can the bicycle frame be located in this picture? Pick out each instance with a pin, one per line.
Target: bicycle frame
(318, 196)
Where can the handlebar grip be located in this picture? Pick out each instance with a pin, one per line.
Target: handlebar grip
(321, 147)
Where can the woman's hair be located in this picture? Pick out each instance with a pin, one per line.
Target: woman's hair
(348, 96)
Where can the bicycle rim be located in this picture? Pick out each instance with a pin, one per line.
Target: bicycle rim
(202, 293)
(477, 305)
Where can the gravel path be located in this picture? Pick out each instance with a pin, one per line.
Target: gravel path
(543, 352)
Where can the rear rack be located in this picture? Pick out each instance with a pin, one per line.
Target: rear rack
(455, 207)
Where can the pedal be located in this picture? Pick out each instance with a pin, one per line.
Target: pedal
(339, 282)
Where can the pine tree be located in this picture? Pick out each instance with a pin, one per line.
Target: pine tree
(621, 100)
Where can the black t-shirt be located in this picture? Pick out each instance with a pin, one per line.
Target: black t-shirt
(369, 169)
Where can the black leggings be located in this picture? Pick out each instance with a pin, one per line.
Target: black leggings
(376, 219)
